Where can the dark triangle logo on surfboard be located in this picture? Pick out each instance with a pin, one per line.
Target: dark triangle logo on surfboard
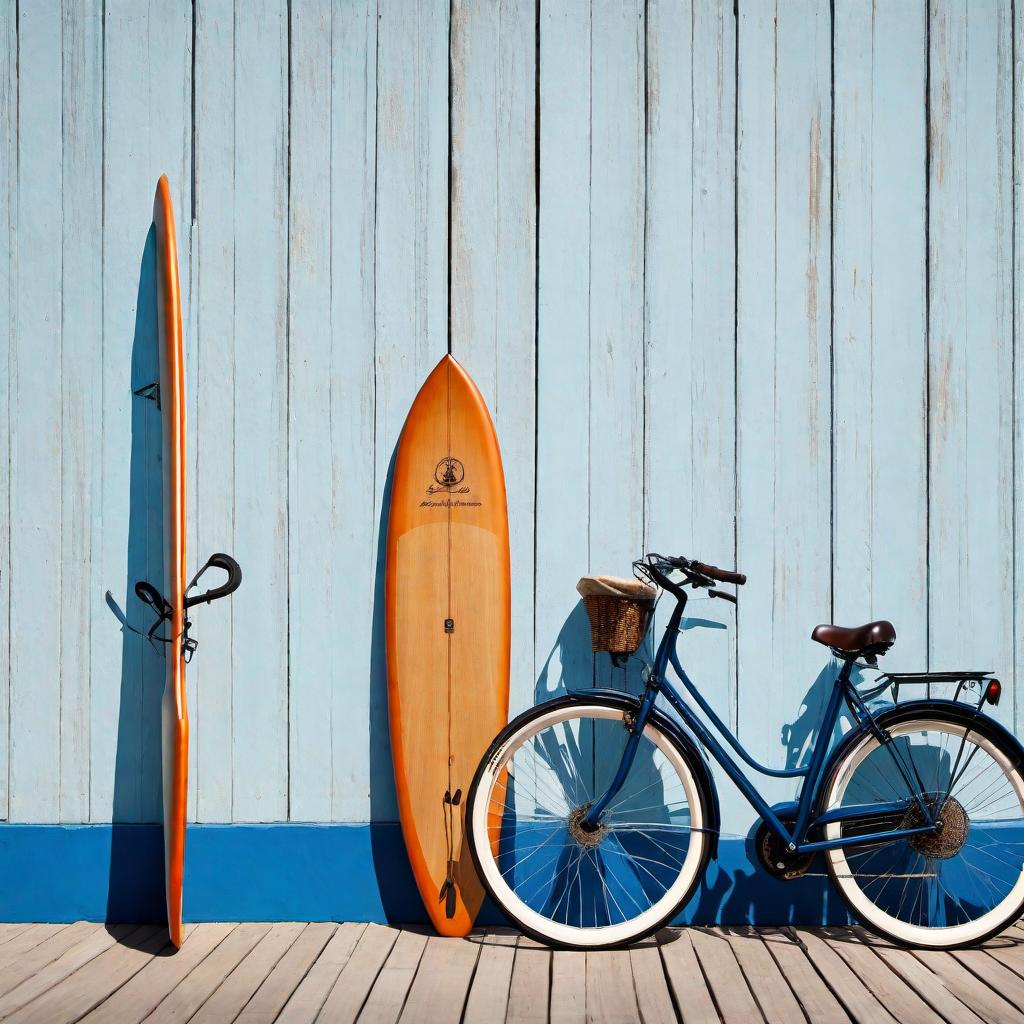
(449, 477)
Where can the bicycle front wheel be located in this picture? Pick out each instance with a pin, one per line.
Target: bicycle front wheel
(962, 882)
(558, 882)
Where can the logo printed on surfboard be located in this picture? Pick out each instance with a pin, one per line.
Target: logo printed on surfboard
(449, 474)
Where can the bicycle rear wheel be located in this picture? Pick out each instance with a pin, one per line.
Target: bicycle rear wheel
(952, 887)
(557, 882)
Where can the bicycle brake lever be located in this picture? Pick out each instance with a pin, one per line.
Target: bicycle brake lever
(722, 594)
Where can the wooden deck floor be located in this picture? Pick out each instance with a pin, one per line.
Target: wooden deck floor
(300, 973)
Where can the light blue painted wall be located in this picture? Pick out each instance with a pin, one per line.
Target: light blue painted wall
(737, 284)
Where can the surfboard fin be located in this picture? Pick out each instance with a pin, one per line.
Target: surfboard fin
(150, 391)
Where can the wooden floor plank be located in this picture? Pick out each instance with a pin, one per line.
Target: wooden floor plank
(891, 990)
(650, 984)
(860, 1004)
(530, 988)
(185, 999)
(270, 998)
(766, 981)
(35, 959)
(685, 977)
(77, 994)
(10, 930)
(970, 990)
(356, 979)
(231, 997)
(28, 940)
(1007, 949)
(568, 999)
(488, 995)
(997, 976)
(134, 1001)
(931, 987)
(439, 990)
(814, 996)
(64, 966)
(732, 996)
(304, 1003)
(611, 998)
(391, 989)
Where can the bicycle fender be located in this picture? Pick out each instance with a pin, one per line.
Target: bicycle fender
(944, 710)
(683, 740)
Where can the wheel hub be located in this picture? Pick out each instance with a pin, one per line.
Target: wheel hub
(950, 832)
(581, 833)
(776, 859)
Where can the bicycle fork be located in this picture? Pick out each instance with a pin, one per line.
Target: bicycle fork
(591, 821)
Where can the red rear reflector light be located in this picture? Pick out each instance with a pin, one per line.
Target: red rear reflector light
(993, 691)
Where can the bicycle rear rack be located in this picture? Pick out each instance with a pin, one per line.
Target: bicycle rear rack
(969, 686)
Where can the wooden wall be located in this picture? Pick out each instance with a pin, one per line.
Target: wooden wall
(739, 284)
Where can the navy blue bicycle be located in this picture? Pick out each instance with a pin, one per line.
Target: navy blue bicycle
(592, 817)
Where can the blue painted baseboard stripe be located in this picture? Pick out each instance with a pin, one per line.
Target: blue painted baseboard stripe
(289, 872)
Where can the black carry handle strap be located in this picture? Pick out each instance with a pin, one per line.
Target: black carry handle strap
(148, 594)
(218, 560)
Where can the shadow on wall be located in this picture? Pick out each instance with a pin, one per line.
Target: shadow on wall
(135, 888)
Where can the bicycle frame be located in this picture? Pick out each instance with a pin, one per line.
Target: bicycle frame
(813, 773)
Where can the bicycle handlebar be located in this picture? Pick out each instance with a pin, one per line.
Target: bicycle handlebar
(722, 575)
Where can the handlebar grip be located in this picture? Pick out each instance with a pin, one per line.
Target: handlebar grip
(218, 561)
(722, 575)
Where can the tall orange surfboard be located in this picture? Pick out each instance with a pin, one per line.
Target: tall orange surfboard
(448, 615)
(173, 712)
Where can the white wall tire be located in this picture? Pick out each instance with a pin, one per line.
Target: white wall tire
(554, 932)
(845, 878)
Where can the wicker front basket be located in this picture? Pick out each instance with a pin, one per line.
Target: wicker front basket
(619, 611)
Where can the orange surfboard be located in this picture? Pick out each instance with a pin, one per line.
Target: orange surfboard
(448, 624)
(173, 712)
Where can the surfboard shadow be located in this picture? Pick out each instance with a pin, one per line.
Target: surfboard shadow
(135, 883)
(400, 899)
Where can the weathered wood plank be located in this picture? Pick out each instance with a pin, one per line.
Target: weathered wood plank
(358, 975)
(615, 511)
(562, 646)
(387, 997)
(879, 350)
(783, 324)
(314, 568)
(685, 978)
(10, 929)
(238, 988)
(530, 990)
(304, 1003)
(767, 983)
(212, 487)
(76, 995)
(493, 269)
(185, 999)
(146, 133)
(81, 373)
(439, 990)
(64, 966)
(610, 993)
(847, 986)
(488, 995)
(141, 995)
(286, 975)
(353, 284)
(724, 976)
(652, 995)
(8, 334)
(996, 975)
(410, 269)
(25, 941)
(889, 988)
(260, 627)
(968, 988)
(1018, 362)
(34, 452)
(13, 972)
(690, 284)
(815, 997)
(929, 986)
(568, 1000)
(970, 508)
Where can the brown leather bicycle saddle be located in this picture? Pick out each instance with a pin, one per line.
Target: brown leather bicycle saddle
(871, 638)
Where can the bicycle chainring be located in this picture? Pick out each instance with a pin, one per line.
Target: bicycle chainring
(776, 859)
